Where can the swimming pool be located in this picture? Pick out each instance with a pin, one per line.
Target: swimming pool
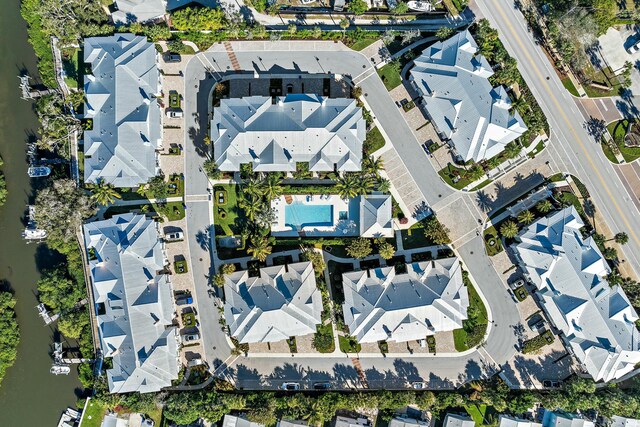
(300, 215)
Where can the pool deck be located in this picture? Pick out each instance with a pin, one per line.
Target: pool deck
(283, 228)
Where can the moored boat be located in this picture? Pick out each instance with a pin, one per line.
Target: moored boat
(38, 171)
(420, 6)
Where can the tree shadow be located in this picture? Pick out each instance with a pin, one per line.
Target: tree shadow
(246, 377)
(484, 201)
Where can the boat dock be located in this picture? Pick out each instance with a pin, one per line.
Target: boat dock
(70, 418)
(46, 315)
(28, 92)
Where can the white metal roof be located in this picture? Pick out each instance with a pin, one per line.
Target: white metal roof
(325, 132)
(569, 271)
(564, 419)
(506, 421)
(376, 218)
(282, 302)
(464, 106)
(138, 10)
(233, 421)
(407, 422)
(381, 305)
(134, 302)
(452, 420)
(120, 98)
(617, 421)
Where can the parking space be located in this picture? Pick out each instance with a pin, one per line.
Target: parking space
(404, 184)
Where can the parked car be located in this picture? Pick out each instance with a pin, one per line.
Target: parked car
(175, 114)
(322, 386)
(175, 236)
(190, 337)
(634, 47)
(517, 283)
(195, 362)
(290, 386)
(426, 149)
(417, 385)
(184, 300)
(172, 57)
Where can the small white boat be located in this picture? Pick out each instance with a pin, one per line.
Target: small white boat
(60, 370)
(38, 171)
(420, 6)
(32, 232)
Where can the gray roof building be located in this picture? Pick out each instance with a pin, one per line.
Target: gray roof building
(282, 302)
(134, 303)
(506, 421)
(564, 419)
(120, 98)
(342, 421)
(381, 305)
(452, 78)
(617, 421)
(452, 420)
(376, 219)
(327, 133)
(129, 11)
(596, 320)
(233, 421)
(407, 422)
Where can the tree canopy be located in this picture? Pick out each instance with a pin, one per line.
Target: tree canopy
(9, 333)
(198, 19)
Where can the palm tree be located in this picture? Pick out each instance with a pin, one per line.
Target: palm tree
(251, 205)
(610, 253)
(509, 230)
(383, 185)
(259, 248)
(544, 206)
(347, 186)
(271, 187)
(512, 150)
(621, 238)
(371, 165)
(476, 172)
(493, 162)
(526, 217)
(104, 193)
(364, 184)
(253, 188)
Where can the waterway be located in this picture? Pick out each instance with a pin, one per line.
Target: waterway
(29, 394)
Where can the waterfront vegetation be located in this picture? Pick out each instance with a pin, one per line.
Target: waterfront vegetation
(3, 186)
(9, 333)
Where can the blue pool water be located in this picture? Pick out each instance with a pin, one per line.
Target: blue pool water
(299, 215)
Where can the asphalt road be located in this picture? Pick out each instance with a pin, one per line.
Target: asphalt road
(442, 371)
(573, 148)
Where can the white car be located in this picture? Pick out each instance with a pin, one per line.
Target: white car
(176, 236)
(290, 386)
(174, 114)
(189, 338)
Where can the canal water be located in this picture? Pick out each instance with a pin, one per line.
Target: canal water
(29, 394)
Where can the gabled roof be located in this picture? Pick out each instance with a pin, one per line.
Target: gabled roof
(376, 219)
(233, 421)
(564, 419)
(407, 422)
(120, 98)
(138, 11)
(381, 305)
(597, 320)
(617, 421)
(297, 128)
(506, 421)
(136, 303)
(282, 302)
(452, 420)
(464, 106)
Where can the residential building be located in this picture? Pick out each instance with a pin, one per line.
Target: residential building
(453, 79)
(407, 422)
(617, 421)
(233, 421)
(282, 302)
(326, 133)
(133, 303)
(506, 421)
(596, 320)
(341, 421)
(121, 148)
(453, 420)
(381, 305)
(128, 11)
(564, 419)
(330, 215)
(291, 423)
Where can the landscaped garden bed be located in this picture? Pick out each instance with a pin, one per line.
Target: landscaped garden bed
(174, 100)
(472, 332)
(431, 344)
(537, 343)
(348, 344)
(520, 293)
(180, 266)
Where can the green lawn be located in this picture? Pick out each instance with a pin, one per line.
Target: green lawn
(173, 210)
(361, 44)
(174, 100)
(180, 266)
(618, 130)
(390, 76)
(608, 153)
(92, 416)
(414, 238)
(568, 84)
(374, 141)
(475, 326)
(227, 215)
(327, 331)
(71, 68)
(349, 344)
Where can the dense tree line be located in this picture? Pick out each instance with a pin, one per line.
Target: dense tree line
(315, 409)
(9, 333)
